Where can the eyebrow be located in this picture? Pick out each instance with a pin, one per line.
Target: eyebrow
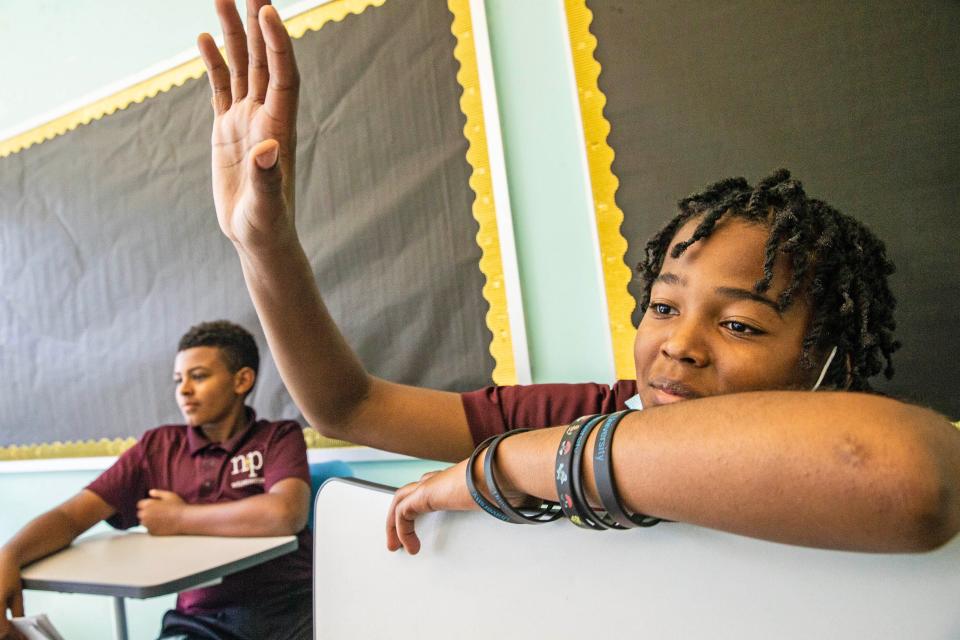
(744, 294)
(734, 293)
(192, 369)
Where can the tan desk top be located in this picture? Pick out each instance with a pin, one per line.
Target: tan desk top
(138, 565)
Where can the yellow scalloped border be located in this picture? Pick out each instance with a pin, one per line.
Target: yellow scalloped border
(484, 211)
(484, 208)
(596, 128)
(116, 446)
(312, 19)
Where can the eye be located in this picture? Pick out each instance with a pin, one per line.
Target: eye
(741, 328)
(661, 309)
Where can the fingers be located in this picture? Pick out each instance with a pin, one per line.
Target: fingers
(217, 73)
(393, 541)
(265, 154)
(257, 52)
(16, 605)
(407, 513)
(283, 87)
(235, 41)
(266, 176)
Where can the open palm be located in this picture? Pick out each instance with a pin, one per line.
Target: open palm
(254, 130)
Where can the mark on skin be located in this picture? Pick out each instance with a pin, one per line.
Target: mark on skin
(852, 452)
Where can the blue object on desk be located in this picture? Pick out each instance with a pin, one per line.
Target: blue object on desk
(320, 472)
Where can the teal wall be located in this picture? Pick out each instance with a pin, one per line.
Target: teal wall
(49, 58)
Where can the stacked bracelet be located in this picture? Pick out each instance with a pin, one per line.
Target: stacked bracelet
(482, 502)
(547, 512)
(569, 480)
(603, 476)
(597, 521)
(570, 496)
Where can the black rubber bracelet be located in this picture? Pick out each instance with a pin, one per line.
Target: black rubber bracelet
(564, 473)
(547, 512)
(603, 476)
(481, 501)
(599, 521)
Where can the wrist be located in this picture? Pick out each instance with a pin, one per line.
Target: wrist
(9, 557)
(278, 243)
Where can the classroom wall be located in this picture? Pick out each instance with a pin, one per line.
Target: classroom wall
(549, 198)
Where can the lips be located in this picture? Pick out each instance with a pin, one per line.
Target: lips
(670, 390)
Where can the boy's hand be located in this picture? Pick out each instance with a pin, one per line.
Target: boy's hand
(254, 128)
(436, 491)
(160, 513)
(11, 595)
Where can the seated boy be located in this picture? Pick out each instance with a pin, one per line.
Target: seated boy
(223, 473)
(743, 311)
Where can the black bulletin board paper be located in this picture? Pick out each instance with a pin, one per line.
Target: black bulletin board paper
(858, 100)
(110, 249)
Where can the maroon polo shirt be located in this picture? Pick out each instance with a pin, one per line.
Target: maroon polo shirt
(180, 459)
(493, 410)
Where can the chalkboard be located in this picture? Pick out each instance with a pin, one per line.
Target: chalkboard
(477, 577)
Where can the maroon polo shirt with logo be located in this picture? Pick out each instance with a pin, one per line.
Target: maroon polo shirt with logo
(180, 459)
(493, 410)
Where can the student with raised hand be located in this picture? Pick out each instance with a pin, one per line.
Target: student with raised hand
(749, 292)
(223, 473)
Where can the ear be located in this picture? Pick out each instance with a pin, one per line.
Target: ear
(243, 380)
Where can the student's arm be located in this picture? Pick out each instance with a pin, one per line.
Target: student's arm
(281, 511)
(832, 470)
(253, 153)
(43, 535)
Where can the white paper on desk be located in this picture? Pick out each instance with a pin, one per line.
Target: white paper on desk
(36, 627)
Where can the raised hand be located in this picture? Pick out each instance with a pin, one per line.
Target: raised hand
(254, 129)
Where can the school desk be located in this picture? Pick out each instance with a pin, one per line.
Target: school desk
(477, 577)
(138, 565)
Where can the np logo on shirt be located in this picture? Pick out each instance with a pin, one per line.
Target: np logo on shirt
(247, 464)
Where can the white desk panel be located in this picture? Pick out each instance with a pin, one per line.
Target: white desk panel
(477, 577)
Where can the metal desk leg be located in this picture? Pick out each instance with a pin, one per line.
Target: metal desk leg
(119, 619)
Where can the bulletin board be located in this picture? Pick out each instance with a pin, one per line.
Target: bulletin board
(110, 249)
(858, 101)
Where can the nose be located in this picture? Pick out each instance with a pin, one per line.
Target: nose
(185, 388)
(685, 343)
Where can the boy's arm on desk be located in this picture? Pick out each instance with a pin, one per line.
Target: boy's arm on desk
(282, 511)
(45, 534)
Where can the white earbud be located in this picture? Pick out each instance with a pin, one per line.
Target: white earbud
(823, 374)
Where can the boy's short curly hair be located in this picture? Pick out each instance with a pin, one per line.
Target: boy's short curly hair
(834, 259)
(238, 347)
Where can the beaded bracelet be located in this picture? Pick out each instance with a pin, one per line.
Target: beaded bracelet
(603, 476)
(546, 512)
(571, 502)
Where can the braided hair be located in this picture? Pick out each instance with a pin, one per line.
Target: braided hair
(835, 260)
